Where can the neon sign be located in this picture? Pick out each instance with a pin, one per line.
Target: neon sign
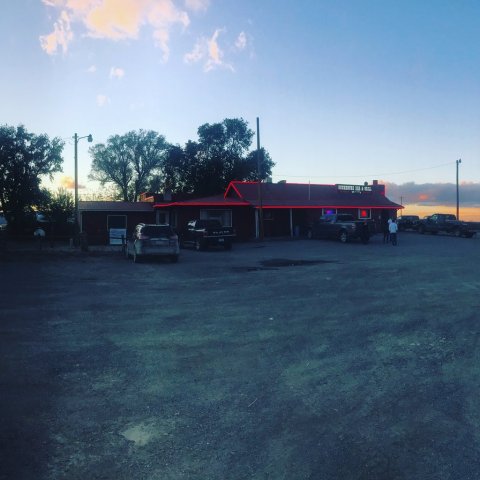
(354, 188)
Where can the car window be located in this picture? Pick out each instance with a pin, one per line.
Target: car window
(157, 230)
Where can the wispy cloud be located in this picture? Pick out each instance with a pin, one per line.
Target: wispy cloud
(61, 36)
(197, 5)
(102, 100)
(92, 69)
(116, 72)
(116, 20)
(241, 42)
(208, 51)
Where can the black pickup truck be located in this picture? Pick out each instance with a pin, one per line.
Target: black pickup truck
(342, 227)
(202, 234)
(445, 223)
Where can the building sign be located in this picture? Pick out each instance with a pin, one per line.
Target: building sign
(117, 236)
(354, 188)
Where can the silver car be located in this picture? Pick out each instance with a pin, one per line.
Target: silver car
(153, 240)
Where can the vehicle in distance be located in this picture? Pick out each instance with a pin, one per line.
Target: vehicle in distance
(152, 240)
(445, 223)
(342, 227)
(202, 234)
(408, 222)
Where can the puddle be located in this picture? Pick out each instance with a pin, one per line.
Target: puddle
(283, 262)
(276, 263)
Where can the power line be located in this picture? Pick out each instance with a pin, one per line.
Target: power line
(365, 175)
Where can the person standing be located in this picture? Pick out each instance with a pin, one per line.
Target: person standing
(39, 235)
(393, 229)
(386, 231)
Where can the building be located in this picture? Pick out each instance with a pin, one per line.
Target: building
(287, 209)
(106, 222)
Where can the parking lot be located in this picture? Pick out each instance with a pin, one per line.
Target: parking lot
(288, 359)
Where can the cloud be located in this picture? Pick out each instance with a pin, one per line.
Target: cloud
(208, 50)
(61, 36)
(241, 41)
(66, 181)
(92, 69)
(197, 5)
(116, 20)
(102, 100)
(434, 193)
(116, 72)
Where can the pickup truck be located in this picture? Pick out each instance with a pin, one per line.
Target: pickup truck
(342, 227)
(202, 234)
(445, 223)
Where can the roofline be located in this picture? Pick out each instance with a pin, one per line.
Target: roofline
(199, 203)
(373, 207)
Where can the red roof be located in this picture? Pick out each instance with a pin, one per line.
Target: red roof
(295, 195)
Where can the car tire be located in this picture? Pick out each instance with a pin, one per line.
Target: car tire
(174, 258)
(457, 232)
(227, 246)
(310, 234)
(421, 230)
(199, 245)
(343, 236)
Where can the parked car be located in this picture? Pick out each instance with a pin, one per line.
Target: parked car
(152, 240)
(446, 223)
(408, 222)
(342, 227)
(202, 234)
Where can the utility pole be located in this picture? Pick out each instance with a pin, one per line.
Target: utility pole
(458, 196)
(76, 139)
(259, 177)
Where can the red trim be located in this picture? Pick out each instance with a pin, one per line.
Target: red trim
(330, 206)
(232, 185)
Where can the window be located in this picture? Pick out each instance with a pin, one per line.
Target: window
(162, 217)
(223, 216)
(116, 221)
(329, 211)
(364, 213)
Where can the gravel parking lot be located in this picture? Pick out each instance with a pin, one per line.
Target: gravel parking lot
(300, 359)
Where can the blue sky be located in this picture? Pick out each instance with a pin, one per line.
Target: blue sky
(346, 91)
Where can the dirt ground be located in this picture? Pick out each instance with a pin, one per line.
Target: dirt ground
(276, 360)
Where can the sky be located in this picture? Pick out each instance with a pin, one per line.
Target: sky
(346, 91)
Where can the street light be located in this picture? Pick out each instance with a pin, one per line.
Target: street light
(77, 139)
(458, 197)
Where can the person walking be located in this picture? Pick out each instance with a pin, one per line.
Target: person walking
(393, 229)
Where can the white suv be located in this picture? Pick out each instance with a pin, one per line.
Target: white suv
(153, 240)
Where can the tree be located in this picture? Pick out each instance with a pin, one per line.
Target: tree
(58, 208)
(220, 155)
(129, 162)
(24, 159)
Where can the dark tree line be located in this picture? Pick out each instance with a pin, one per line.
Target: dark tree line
(130, 164)
(144, 161)
(24, 159)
